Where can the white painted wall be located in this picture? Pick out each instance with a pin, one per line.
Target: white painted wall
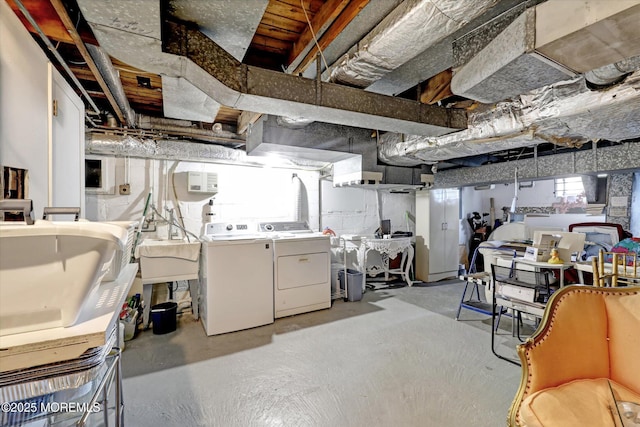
(245, 193)
(23, 106)
(354, 210)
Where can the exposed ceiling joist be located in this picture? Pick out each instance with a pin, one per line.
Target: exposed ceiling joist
(351, 11)
(318, 25)
(77, 40)
(437, 88)
(246, 119)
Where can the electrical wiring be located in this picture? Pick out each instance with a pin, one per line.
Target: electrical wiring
(313, 33)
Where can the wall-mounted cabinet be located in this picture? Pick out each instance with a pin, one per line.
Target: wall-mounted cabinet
(437, 228)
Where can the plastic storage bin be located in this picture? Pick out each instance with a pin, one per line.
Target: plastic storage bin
(163, 317)
(354, 284)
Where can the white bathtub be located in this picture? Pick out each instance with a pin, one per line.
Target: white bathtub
(47, 271)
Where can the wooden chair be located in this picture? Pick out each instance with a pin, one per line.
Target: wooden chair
(624, 269)
(582, 359)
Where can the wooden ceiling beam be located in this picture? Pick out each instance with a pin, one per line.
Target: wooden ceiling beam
(271, 44)
(282, 22)
(350, 11)
(46, 17)
(246, 119)
(77, 40)
(437, 88)
(319, 23)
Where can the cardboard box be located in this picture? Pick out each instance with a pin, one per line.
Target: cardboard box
(533, 253)
(519, 292)
(541, 249)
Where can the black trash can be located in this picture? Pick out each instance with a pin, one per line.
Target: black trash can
(163, 317)
(354, 284)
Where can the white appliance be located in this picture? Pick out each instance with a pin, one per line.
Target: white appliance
(202, 182)
(302, 268)
(237, 278)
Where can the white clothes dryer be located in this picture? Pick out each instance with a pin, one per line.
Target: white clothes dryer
(302, 268)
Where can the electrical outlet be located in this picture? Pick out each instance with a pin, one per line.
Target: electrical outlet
(125, 189)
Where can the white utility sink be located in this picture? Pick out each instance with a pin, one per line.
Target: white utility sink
(168, 260)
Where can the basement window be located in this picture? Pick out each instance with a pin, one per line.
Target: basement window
(99, 175)
(568, 187)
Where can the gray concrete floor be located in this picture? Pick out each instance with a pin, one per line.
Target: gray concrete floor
(396, 358)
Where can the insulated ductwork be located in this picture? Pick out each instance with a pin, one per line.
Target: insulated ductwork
(411, 28)
(612, 73)
(547, 43)
(351, 150)
(112, 79)
(186, 129)
(134, 146)
(131, 32)
(565, 113)
(182, 100)
(508, 66)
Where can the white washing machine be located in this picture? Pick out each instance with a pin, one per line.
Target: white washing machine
(302, 268)
(237, 278)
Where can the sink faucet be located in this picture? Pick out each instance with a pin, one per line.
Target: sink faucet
(172, 223)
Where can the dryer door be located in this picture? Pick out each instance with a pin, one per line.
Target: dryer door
(296, 271)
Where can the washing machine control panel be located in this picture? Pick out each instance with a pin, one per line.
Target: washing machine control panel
(285, 226)
(230, 229)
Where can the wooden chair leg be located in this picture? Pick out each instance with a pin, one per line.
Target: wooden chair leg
(596, 273)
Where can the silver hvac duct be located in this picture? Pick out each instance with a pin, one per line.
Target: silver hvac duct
(563, 113)
(112, 79)
(612, 73)
(411, 28)
(131, 32)
(138, 146)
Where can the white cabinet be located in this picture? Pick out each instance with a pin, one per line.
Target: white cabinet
(437, 227)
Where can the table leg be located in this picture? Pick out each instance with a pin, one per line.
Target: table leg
(409, 263)
(194, 290)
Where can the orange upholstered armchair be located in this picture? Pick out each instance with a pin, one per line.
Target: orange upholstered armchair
(586, 349)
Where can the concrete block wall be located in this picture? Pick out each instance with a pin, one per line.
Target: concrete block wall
(635, 205)
(540, 196)
(621, 185)
(245, 193)
(354, 210)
